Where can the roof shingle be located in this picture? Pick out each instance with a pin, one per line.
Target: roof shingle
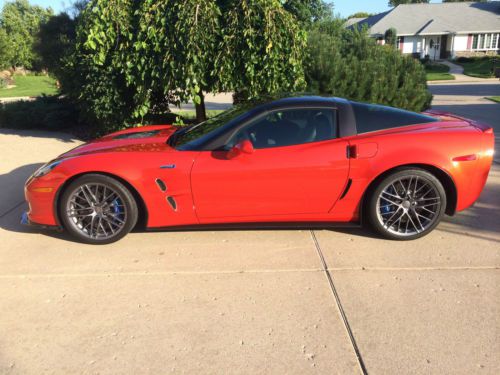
(436, 18)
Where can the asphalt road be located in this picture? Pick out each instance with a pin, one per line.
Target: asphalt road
(294, 302)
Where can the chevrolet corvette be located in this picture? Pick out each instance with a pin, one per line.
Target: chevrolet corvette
(300, 161)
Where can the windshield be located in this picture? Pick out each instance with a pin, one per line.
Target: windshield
(193, 132)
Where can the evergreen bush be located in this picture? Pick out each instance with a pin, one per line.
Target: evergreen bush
(350, 64)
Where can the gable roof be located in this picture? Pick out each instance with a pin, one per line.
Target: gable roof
(353, 20)
(436, 18)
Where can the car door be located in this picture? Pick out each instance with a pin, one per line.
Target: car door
(297, 166)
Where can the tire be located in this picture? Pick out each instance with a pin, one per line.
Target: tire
(97, 209)
(406, 205)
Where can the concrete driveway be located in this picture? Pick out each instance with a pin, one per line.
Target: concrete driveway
(275, 302)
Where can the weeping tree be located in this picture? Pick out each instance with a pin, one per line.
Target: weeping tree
(261, 50)
(133, 59)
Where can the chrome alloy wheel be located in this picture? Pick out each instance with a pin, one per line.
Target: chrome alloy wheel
(408, 206)
(96, 211)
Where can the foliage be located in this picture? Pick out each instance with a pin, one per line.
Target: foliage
(433, 67)
(494, 99)
(395, 3)
(6, 50)
(55, 42)
(44, 113)
(261, 51)
(391, 36)
(348, 63)
(360, 15)
(21, 22)
(30, 85)
(134, 58)
(481, 67)
(307, 11)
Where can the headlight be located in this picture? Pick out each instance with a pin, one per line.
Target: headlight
(46, 169)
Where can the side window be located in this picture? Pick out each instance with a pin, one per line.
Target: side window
(289, 127)
(371, 117)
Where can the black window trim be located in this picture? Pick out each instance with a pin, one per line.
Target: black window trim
(346, 124)
(270, 111)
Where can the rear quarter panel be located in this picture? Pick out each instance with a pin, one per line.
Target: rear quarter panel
(432, 146)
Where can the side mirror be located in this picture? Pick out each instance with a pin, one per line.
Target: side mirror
(243, 147)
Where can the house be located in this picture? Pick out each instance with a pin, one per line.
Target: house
(440, 30)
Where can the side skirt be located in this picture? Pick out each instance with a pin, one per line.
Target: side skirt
(255, 226)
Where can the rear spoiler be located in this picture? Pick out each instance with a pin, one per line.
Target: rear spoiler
(485, 128)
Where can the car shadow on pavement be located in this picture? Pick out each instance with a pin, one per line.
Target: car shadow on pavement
(482, 220)
(64, 137)
(12, 201)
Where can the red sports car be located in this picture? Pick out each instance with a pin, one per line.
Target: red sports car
(296, 161)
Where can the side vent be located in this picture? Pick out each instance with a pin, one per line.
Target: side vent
(161, 184)
(172, 203)
(346, 190)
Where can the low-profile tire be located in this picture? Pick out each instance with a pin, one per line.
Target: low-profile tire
(97, 209)
(406, 205)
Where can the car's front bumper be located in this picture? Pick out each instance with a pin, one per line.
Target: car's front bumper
(25, 220)
(41, 194)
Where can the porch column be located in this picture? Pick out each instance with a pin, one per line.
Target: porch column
(452, 52)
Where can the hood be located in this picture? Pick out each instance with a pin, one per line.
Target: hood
(142, 139)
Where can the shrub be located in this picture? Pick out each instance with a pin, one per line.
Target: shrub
(464, 59)
(348, 63)
(44, 113)
(56, 113)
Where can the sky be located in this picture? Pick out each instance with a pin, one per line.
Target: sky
(342, 7)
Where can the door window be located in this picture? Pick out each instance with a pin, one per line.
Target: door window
(289, 127)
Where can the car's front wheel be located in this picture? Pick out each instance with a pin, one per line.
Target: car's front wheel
(407, 204)
(97, 209)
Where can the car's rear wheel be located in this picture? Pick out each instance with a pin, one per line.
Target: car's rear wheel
(407, 204)
(97, 209)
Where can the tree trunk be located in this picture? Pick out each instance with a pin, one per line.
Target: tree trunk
(201, 114)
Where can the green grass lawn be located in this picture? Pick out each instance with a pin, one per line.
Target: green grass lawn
(494, 98)
(478, 67)
(192, 114)
(437, 72)
(30, 86)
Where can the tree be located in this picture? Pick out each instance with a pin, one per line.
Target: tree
(21, 22)
(360, 15)
(133, 59)
(55, 42)
(348, 63)
(6, 50)
(307, 11)
(261, 50)
(395, 3)
(390, 36)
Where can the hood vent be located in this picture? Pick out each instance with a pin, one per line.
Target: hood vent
(137, 135)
